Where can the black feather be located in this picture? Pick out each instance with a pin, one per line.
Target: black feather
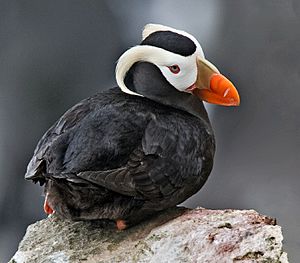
(172, 42)
(115, 154)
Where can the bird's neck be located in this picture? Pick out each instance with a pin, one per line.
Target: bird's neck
(186, 102)
(146, 79)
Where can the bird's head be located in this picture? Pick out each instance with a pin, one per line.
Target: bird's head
(170, 61)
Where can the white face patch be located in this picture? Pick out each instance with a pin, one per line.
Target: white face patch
(186, 76)
(163, 59)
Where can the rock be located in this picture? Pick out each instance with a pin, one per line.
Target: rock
(176, 235)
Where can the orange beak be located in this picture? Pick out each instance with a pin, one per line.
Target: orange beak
(213, 87)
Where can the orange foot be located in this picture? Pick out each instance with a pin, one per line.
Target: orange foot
(121, 224)
(48, 210)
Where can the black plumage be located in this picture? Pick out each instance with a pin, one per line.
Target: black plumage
(113, 155)
(119, 156)
(172, 42)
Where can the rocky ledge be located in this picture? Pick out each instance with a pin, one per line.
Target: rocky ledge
(176, 235)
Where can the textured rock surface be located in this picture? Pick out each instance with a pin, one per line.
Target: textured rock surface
(177, 235)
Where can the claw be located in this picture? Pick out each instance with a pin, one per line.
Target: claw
(48, 210)
(121, 224)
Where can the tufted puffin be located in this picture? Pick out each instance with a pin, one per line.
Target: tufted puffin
(139, 148)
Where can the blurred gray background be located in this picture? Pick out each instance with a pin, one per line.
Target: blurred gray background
(55, 53)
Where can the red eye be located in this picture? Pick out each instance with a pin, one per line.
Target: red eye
(174, 69)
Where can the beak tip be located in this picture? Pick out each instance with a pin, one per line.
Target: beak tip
(236, 100)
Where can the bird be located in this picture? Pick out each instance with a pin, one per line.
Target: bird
(131, 151)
